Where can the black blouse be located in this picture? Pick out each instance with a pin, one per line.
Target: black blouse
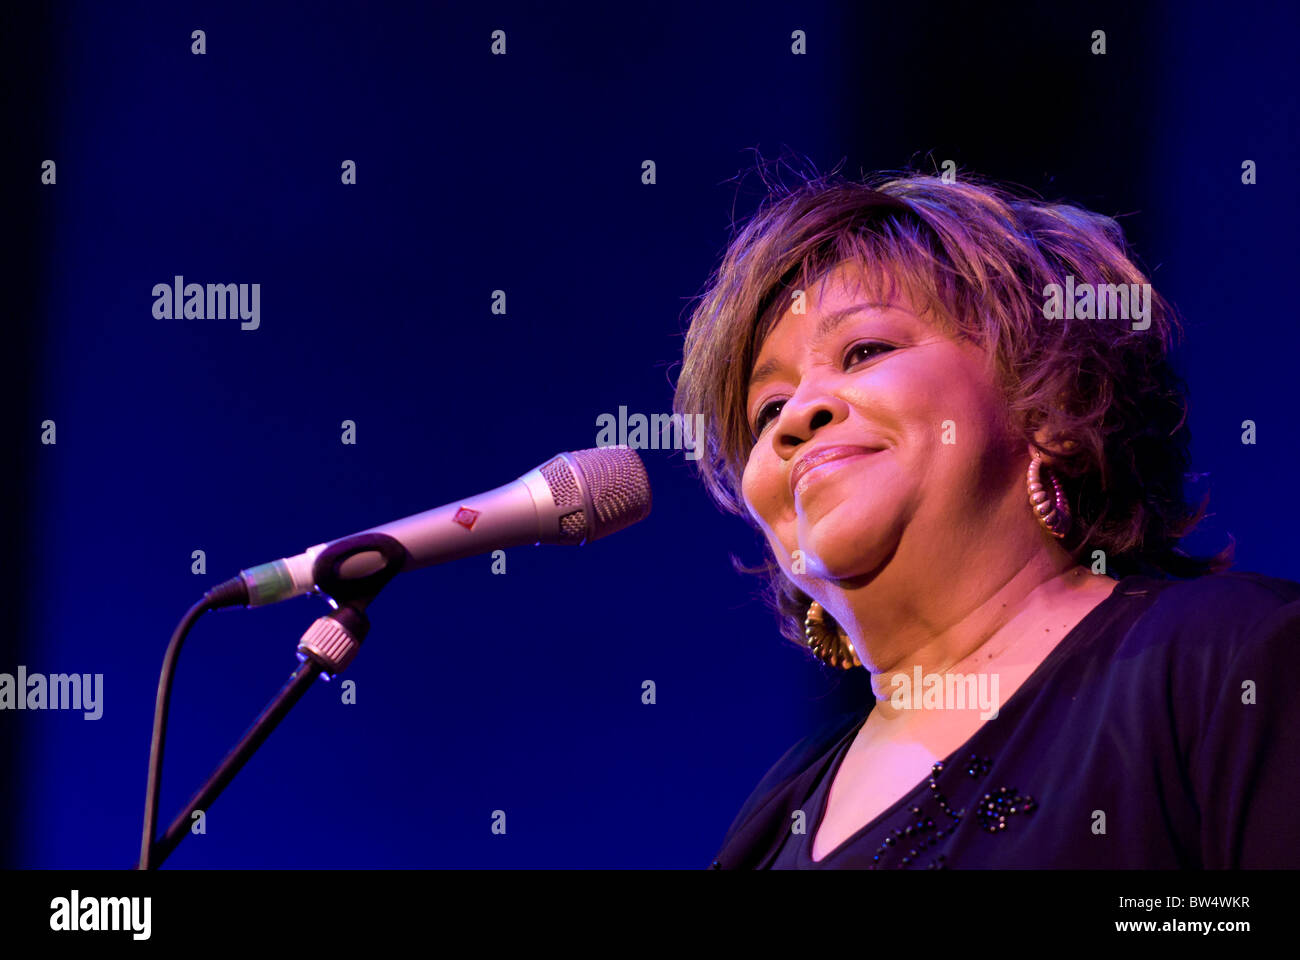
(1162, 732)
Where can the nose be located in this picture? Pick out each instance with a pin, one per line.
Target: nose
(809, 410)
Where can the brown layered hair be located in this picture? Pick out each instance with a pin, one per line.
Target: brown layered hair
(979, 257)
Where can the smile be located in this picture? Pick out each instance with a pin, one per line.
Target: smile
(823, 458)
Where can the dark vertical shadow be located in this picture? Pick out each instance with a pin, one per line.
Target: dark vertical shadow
(26, 52)
(1012, 93)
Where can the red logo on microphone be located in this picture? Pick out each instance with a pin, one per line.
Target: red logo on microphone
(466, 517)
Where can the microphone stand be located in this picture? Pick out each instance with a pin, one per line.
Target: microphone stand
(326, 649)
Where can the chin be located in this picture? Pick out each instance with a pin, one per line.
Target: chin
(847, 534)
(845, 549)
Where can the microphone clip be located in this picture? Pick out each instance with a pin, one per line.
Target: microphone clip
(350, 572)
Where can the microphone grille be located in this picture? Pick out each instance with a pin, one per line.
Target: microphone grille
(566, 493)
(620, 488)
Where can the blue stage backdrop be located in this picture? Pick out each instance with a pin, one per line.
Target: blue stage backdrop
(463, 233)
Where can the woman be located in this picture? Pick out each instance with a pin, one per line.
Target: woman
(950, 412)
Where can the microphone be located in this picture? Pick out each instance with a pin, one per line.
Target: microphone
(573, 498)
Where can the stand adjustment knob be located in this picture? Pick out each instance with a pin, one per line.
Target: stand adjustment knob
(331, 644)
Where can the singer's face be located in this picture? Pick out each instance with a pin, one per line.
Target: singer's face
(933, 449)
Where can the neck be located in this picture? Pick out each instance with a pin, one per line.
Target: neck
(976, 623)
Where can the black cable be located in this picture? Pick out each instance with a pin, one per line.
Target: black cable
(231, 593)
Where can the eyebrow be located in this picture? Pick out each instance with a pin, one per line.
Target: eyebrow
(825, 326)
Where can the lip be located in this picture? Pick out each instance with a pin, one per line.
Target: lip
(820, 455)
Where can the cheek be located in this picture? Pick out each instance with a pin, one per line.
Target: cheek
(973, 457)
(750, 489)
(762, 487)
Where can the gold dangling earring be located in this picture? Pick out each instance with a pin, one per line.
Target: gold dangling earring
(833, 648)
(1052, 510)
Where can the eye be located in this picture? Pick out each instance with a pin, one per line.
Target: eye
(865, 350)
(766, 414)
